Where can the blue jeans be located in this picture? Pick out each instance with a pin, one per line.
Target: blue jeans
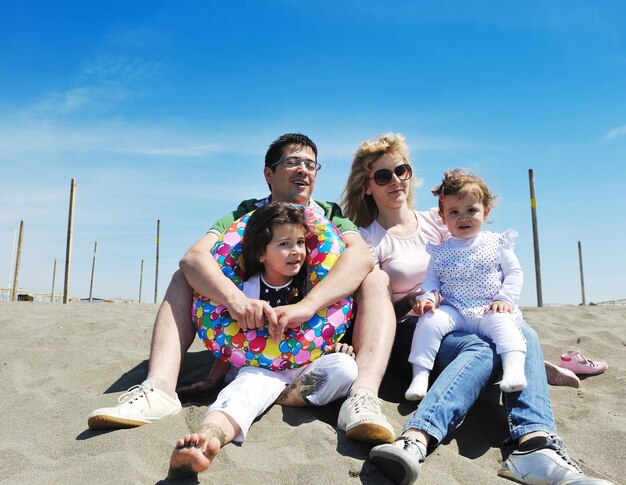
(466, 364)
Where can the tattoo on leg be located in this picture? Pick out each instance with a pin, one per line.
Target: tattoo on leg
(312, 382)
(213, 430)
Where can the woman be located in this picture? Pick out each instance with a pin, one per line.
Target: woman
(379, 199)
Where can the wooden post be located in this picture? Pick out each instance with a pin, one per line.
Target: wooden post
(54, 277)
(582, 278)
(156, 275)
(17, 261)
(140, 280)
(533, 211)
(68, 248)
(93, 270)
(12, 256)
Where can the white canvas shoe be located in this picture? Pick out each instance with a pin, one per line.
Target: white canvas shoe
(362, 419)
(141, 404)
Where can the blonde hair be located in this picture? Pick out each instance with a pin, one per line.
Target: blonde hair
(356, 204)
(461, 182)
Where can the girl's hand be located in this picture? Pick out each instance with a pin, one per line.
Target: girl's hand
(206, 387)
(340, 348)
(404, 305)
(198, 389)
(423, 305)
(499, 307)
(412, 295)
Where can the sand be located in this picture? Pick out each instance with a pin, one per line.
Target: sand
(59, 362)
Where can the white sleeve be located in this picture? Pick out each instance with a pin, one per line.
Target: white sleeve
(431, 285)
(252, 287)
(513, 277)
(366, 237)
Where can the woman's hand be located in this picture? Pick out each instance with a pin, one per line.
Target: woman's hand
(499, 307)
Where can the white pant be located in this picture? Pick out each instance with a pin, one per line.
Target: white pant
(501, 328)
(256, 388)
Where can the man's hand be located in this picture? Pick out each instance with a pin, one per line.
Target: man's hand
(290, 316)
(499, 307)
(251, 314)
(423, 305)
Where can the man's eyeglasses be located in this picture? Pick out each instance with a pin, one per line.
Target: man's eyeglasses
(384, 175)
(293, 162)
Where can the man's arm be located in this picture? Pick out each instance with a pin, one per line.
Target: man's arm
(205, 276)
(342, 280)
(345, 276)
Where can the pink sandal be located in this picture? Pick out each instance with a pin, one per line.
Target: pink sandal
(579, 364)
(558, 376)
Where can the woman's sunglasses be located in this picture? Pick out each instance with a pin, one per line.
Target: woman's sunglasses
(384, 175)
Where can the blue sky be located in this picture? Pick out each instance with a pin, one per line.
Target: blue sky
(164, 110)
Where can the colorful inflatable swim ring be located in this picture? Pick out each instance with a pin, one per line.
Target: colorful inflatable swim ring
(298, 346)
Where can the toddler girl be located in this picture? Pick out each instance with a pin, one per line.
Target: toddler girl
(473, 281)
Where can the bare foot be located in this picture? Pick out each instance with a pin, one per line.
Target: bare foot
(193, 454)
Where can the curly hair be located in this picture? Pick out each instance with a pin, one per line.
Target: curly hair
(357, 205)
(259, 233)
(461, 182)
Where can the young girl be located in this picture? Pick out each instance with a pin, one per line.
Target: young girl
(274, 254)
(473, 281)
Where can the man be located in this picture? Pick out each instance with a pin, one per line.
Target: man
(290, 171)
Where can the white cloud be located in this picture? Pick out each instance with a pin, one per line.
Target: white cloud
(78, 99)
(172, 151)
(616, 132)
(26, 140)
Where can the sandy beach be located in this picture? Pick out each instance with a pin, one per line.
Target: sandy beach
(59, 362)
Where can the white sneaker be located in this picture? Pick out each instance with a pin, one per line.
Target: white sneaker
(400, 461)
(549, 465)
(141, 404)
(362, 419)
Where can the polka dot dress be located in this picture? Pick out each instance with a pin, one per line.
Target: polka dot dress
(470, 276)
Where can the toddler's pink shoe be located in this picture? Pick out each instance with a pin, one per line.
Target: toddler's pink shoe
(559, 376)
(579, 364)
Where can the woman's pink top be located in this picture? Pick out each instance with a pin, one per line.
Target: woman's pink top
(405, 259)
